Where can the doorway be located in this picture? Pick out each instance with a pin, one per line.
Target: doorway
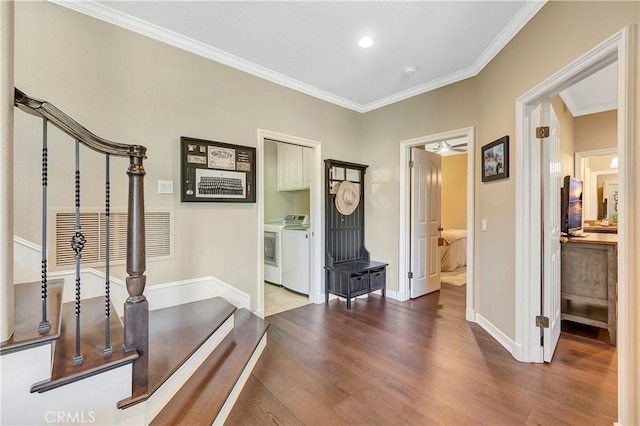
(620, 47)
(404, 260)
(267, 142)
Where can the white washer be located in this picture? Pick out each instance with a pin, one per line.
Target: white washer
(273, 252)
(295, 253)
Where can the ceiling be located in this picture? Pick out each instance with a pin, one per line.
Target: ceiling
(596, 93)
(312, 46)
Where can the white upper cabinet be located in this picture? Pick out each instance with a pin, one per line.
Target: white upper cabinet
(293, 167)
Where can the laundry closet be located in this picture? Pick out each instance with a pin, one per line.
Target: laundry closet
(286, 228)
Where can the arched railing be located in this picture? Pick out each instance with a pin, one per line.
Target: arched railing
(136, 309)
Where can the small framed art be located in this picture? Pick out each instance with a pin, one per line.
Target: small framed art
(495, 160)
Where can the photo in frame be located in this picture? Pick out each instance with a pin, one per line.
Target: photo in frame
(495, 160)
(217, 172)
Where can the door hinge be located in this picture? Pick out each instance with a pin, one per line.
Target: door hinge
(542, 132)
(410, 275)
(542, 321)
(410, 164)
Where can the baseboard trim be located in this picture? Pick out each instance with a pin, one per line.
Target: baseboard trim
(470, 315)
(400, 296)
(496, 333)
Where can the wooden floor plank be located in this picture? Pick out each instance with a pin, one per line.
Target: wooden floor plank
(421, 362)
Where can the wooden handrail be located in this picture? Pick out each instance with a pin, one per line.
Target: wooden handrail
(136, 307)
(74, 129)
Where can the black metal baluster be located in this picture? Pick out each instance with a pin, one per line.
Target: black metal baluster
(108, 350)
(44, 325)
(77, 244)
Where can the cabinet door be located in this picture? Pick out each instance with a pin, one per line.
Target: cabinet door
(306, 167)
(289, 167)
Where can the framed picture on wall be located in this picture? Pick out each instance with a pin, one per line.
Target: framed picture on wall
(495, 160)
(217, 172)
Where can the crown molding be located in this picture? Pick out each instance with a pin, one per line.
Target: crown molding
(418, 90)
(576, 111)
(115, 17)
(120, 19)
(523, 16)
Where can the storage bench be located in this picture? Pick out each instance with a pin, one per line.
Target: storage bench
(351, 279)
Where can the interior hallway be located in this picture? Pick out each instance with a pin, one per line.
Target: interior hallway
(418, 362)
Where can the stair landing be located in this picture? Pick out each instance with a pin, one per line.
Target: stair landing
(28, 314)
(92, 344)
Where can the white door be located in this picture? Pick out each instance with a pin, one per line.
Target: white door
(425, 222)
(551, 226)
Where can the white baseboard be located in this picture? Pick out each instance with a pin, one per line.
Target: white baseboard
(496, 333)
(400, 296)
(242, 380)
(470, 315)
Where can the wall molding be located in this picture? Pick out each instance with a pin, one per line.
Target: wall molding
(120, 19)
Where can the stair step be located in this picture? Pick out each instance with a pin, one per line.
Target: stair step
(202, 397)
(175, 334)
(92, 341)
(28, 314)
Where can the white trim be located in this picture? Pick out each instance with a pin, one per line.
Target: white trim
(396, 295)
(242, 380)
(495, 332)
(620, 47)
(580, 156)
(179, 377)
(316, 263)
(521, 19)
(115, 17)
(577, 112)
(403, 240)
(27, 244)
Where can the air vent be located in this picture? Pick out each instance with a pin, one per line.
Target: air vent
(158, 230)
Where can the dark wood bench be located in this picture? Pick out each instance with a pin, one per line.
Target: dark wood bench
(349, 272)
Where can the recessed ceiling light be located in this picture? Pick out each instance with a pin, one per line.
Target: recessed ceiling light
(365, 42)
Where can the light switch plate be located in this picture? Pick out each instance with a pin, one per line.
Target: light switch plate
(165, 187)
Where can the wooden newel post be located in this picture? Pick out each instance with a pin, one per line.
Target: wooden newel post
(136, 307)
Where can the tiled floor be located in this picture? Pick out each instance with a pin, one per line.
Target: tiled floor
(279, 299)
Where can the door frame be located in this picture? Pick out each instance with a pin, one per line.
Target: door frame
(621, 47)
(404, 237)
(316, 232)
(578, 168)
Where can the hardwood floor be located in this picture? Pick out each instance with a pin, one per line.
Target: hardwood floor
(417, 363)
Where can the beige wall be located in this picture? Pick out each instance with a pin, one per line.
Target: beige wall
(277, 204)
(454, 191)
(560, 33)
(596, 131)
(567, 149)
(131, 89)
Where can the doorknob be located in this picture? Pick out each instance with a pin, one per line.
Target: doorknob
(440, 229)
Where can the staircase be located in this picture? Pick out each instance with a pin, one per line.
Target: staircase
(74, 360)
(200, 355)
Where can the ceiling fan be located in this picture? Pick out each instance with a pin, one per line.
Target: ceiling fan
(444, 146)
